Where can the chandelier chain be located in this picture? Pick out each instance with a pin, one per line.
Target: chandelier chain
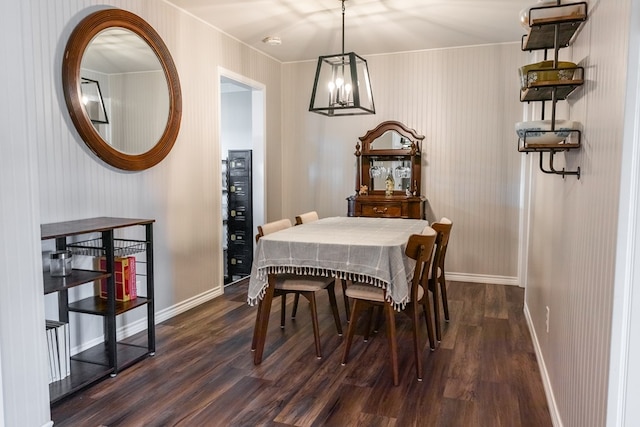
(343, 9)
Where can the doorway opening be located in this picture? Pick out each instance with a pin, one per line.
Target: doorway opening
(242, 150)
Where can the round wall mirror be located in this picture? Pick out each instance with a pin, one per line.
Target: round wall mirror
(122, 89)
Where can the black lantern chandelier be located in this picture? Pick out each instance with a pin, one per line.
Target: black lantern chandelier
(342, 86)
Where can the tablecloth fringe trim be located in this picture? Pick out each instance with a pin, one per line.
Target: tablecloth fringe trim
(263, 273)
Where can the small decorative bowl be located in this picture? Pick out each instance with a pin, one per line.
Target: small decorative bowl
(539, 131)
(544, 72)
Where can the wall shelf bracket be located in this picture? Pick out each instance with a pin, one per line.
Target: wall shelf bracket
(552, 170)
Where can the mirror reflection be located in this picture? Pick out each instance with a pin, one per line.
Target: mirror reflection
(391, 140)
(93, 102)
(397, 172)
(124, 90)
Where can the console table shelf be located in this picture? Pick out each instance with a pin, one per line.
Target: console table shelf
(110, 356)
(98, 306)
(76, 278)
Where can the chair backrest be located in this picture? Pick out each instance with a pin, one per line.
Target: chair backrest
(443, 228)
(307, 217)
(420, 249)
(272, 227)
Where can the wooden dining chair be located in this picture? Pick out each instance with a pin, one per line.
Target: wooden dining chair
(437, 278)
(303, 285)
(306, 218)
(365, 296)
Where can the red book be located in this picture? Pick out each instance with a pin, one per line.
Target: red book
(122, 278)
(133, 290)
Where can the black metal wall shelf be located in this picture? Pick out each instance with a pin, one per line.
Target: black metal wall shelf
(544, 34)
(572, 142)
(544, 90)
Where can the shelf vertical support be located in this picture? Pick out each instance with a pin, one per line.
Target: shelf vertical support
(151, 337)
(63, 295)
(110, 320)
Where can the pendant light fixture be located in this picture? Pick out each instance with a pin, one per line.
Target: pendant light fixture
(342, 86)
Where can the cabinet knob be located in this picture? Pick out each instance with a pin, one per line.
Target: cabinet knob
(379, 211)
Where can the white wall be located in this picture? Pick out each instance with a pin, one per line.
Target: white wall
(624, 371)
(465, 102)
(24, 371)
(183, 192)
(235, 119)
(573, 229)
(2, 420)
(51, 176)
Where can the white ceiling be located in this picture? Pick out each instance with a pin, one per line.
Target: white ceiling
(116, 50)
(310, 28)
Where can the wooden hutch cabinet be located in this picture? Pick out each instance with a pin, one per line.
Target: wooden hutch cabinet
(389, 165)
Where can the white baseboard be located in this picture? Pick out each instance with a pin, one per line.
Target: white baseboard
(482, 278)
(169, 312)
(546, 382)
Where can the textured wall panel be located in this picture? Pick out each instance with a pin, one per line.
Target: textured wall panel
(140, 105)
(573, 228)
(182, 192)
(24, 369)
(463, 101)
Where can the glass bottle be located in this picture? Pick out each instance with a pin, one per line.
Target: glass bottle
(389, 184)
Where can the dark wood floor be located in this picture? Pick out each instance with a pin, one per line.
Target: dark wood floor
(484, 372)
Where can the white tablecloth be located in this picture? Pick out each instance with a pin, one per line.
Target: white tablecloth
(369, 250)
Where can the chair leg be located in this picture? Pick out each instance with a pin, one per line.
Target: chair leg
(436, 309)
(378, 322)
(443, 293)
(417, 348)
(375, 317)
(370, 316)
(356, 308)
(283, 311)
(429, 322)
(334, 307)
(262, 323)
(254, 341)
(346, 299)
(311, 296)
(391, 333)
(296, 298)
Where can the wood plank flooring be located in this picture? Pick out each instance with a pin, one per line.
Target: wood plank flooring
(483, 373)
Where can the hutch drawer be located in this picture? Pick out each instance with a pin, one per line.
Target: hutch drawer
(392, 210)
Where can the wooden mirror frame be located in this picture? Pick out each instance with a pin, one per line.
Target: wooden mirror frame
(79, 39)
(369, 153)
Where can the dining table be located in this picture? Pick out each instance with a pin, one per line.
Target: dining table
(356, 249)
